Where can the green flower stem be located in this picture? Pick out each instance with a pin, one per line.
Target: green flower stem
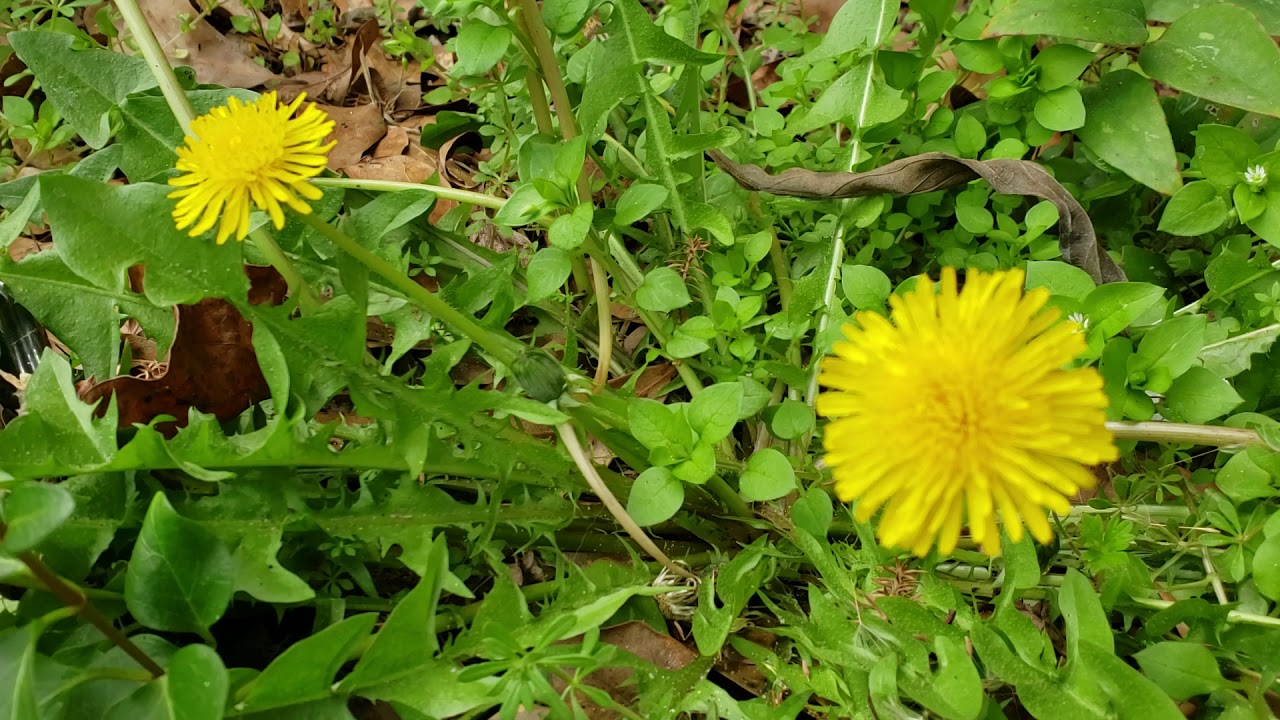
(569, 437)
(79, 604)
(461, 196)
(1167, 432)
(1232, 616)
(503, 349)
(298, 287)
(159, 64)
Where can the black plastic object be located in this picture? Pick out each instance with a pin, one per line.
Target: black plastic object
(21, 344)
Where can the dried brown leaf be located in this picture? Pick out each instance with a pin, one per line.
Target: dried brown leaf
(929, 172)
(357, 129)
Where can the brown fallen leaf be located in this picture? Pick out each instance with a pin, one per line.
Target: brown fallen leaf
(211, 367)
(357, 129)
(216, 58)
(933, 171)
(395, 142)
(400, 168)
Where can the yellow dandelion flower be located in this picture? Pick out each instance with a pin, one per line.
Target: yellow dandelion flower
(249, 154)
(959, 405)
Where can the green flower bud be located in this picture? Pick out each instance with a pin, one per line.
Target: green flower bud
(540, 375)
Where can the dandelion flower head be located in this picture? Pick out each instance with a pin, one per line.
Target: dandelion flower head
(960, 407)
(242, 155)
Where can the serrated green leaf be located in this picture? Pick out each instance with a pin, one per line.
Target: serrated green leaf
(102, 230)
(306, 670)
(84, 85)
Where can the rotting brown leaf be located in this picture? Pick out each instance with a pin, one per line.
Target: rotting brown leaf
(933, 171)
(212, 365)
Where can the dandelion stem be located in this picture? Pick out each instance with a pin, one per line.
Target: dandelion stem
(1232, 615)
(462, 196)
(298, 286)
(503, 349)
(1167, 432)
(159, 64)
(568, 436)
(77, 603)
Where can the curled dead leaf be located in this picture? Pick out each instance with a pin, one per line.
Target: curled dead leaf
(933, 171)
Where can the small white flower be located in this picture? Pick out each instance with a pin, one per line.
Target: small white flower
(1080, 320)
(1255, 176)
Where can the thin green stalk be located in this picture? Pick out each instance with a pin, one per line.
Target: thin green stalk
(1167, 432)
(1232, 615)
(569, 437)
(298, 286)
(179, 105)
(503, 349)
(77, 603)
(461, 196)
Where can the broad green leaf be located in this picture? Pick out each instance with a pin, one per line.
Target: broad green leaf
(100, 508)
(481, 45)
(196, 683)
(768, 475)
(564, 17)
(305, 670)
(446, 695)
(655, 496)
(1182, 669)
(791, 419)
(101, 230)
(32, 511)
(956, 684)
(1197, 209)
(1132, 696)
(638, 202)
(1199, 396)
(857, 25)
(84, 85)
(1242, 480)
(1059, 278)
(570, 230)
(663, 290)
(78, 313)
(1125, 126)
(57, 426)
(15, 221)
(860, 98)
(524, 206)
(180, 575)
(865, 286)
(1223, 153)
(705, 217)
(692, 337)
(1060, 65)
(1169, 11)
(547, 272)
(1086, 622)
(407, 640)
(258, 571)
(615, 73)
(18, 695)
(1213, 52)
(652, 423)
(813, 512)
(1114, 22)
(1266, 567)
(1172, 345)
(714, 412)
(1113, 306)
(1061, 109)
(1230, 357)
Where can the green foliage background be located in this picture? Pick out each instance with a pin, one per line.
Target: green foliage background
(274, 564)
